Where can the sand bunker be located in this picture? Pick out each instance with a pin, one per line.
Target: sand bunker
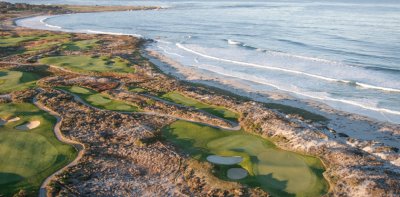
(3, 121)
(236, 173)
(224, 160)
(29, 125)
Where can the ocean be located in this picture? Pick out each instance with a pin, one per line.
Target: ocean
(345, 54)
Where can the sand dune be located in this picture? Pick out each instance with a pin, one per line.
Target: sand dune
(29, 125)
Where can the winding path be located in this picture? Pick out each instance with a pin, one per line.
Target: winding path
(77, 145)
(79, 99)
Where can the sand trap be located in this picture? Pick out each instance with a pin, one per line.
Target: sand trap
(236, 173)
(3, 121)
(224, 160)
(29, 125)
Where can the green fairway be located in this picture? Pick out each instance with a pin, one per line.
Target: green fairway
(89, 63)
(17, 80)
(7, 41)
(28, 157)
(215, 110)
(279, 172)
(80, 45)
(100, 100)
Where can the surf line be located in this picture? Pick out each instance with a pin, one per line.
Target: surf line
(380, 110)
(179, 45)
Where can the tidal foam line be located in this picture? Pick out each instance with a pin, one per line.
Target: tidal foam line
(307, 95)
(287, 70)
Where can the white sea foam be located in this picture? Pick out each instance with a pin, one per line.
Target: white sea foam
(167, 52)
(179, 45)
(315, 59)
(301, 93)
(113, 33)
(43, 21)
(232, 42)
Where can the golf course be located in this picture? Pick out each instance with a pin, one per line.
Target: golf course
(18, 80)
(29, 150)
(99, 100)
(85, 63)
(190, 102)
(281, 173)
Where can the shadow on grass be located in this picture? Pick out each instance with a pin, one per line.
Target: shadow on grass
(7, 178)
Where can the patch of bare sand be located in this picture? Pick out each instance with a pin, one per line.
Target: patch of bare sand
(4, 121)
(224, 160)
(236, 173)
(28, 126)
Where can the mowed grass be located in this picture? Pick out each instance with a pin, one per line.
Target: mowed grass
(28, 157)
(100, 100)
(80, 45)
(279, 172)
(84, 63)
(18, 80)
(8, 41)
(190, 102)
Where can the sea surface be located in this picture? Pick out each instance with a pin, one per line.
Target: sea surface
(345, 54)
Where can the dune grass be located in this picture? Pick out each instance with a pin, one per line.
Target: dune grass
(100, 100)
(18, 80)
(83, 63)
(28, 157)
(279, 172)
(190, 102)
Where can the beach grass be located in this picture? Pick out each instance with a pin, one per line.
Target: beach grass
(19, 80)
(279, 172)
(100, 100)
(221, 112)
(84, 63)
(28, 157)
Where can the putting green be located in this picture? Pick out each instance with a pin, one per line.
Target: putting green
(28, 157)
(17, 80)
(187, 101)
(100, 100)
(85, 63)
(279, 172)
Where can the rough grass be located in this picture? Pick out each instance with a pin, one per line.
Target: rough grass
(215, 110)
(279, 172)
(28, 157)
(100, 100)
(18, 80)
(83, 63)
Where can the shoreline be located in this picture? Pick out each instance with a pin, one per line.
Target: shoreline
(308, 104)
(338, 121)
(354, 125)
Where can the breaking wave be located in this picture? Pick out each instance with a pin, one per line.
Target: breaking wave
(326, 98)
(363, 85)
